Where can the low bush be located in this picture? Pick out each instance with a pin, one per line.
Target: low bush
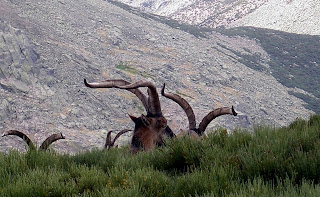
(266, 162)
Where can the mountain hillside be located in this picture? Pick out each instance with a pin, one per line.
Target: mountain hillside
(294, 16)
(293, 58)
(47, 48)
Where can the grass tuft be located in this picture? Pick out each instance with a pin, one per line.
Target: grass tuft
(268, 162)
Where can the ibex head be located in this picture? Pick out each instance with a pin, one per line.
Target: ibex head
(150, 128)
(156, 124)
(148, 132)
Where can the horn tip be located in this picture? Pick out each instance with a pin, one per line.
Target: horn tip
(233, 111)
(86, 83)
(62, 136)
(133, 118)
(163, 87)
(4, 134)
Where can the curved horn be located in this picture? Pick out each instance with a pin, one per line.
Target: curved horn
(108, 140)
(153, 101)
(115, 83)
(110, 143)
(184, 104)
(50, 140)
(118, 135)
(212, 115)
(21, 135)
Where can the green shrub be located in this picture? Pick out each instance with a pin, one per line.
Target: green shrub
(266, 162)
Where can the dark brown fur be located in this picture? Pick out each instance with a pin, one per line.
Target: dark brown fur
(148, 132)
(149, 129)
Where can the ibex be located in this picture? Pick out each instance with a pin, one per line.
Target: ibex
(149, 129)
(193, 130)
(45, 144)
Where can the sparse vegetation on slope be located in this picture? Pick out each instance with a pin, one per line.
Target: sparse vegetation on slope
(294, 59)
(268, 162)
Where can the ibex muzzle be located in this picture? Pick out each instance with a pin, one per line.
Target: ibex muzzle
(148, 132)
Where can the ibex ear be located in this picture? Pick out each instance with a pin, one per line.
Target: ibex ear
(145, 120)
(134, 119)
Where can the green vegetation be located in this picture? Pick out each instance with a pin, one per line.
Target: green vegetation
(294, 59)
(267, 162)
(124, 66)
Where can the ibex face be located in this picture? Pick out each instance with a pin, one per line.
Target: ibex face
(150, 128)
(148, 132)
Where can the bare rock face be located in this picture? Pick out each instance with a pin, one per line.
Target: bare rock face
(47, 48)
(294, 16)
(160, 7)
(18, 60)
(216, 13)
(212, 13)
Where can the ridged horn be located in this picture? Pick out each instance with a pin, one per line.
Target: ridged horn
(54, 137)
(21, 135)
(115, 83)
(153, 101)
(118, 135)
(108, 140)
(212, 115)
(184, 104)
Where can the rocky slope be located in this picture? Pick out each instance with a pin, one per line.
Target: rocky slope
(47, 48)
(295, 16)
(159, 7)
(206, 13)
